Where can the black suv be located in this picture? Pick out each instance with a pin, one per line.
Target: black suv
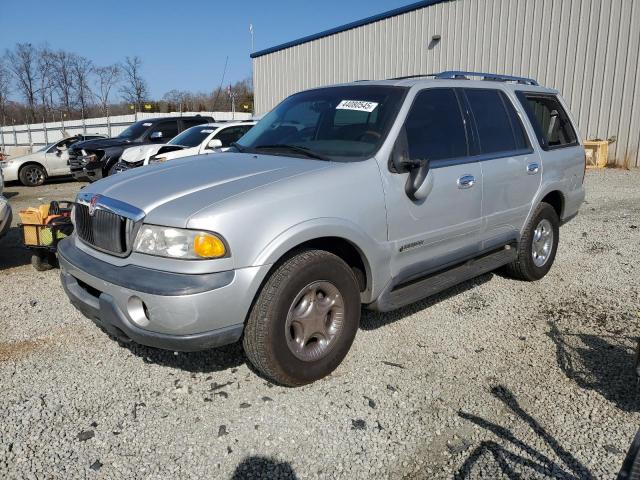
(95, 159)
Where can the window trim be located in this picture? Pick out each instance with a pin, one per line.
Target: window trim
(446, 162)
(524, 101)
(478, 145)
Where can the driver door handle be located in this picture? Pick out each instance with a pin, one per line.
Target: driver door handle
(466, 181)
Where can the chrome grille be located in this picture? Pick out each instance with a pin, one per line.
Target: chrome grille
(104, 230)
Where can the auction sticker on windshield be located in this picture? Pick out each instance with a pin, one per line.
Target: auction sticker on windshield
(206, 131)
(358, 105)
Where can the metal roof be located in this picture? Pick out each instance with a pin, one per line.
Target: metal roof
(348, 26)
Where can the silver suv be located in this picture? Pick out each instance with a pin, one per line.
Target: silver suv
(374, 193)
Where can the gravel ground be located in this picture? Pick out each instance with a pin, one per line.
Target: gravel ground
(493, 379)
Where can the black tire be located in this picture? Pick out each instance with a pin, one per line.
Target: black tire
(32, 175)
(44, 261)
(265, 338)
(524, 267)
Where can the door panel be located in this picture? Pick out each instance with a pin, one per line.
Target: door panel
(509, 189)
(511, 169)
(444, 225)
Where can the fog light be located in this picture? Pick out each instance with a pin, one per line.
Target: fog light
(138, 311)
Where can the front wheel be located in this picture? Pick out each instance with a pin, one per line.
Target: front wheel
(538, 245)
(32, 175)
(304, 320)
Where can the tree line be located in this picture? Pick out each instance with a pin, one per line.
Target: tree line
(57, 85)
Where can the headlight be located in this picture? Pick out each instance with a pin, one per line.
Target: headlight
(179, 243)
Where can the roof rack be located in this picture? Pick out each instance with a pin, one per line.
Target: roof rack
(494, 77)
(461, 75)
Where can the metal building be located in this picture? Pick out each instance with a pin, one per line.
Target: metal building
(587, 49)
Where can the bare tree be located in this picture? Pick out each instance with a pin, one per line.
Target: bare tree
(106, 78)
(5, 90)
(64, 78)
(135, 89)
(82, 68)
(45, 82)
(22, 62)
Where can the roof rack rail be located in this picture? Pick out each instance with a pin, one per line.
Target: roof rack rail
(415, 76)
(494, 77)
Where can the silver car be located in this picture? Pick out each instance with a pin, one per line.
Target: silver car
(49, 161)
(374, 193)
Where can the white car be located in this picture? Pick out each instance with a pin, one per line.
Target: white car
(5, 210)
(198, 140)
(50, 161)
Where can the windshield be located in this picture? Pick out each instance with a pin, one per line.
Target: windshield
(135, 130)
(337, 123)
(193, 136)
(46, 147)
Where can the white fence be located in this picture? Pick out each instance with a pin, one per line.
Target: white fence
(39, 134)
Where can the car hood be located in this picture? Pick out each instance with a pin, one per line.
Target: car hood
(170, 193)
(140, 152)
(102, 143)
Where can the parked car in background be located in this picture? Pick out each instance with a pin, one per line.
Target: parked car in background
(5, 210)
(95, 159)
(205, 138)
(375, 193)
(50, 161)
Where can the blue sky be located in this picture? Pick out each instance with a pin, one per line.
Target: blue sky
(183, 44)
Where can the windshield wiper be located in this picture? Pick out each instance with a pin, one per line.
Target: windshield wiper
(237, 146)
(294, 148)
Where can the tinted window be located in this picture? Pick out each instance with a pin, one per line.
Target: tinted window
(231, 135)
(434, 127)
(191, 122)
(549, 119)
(494, 117)
(169, 130)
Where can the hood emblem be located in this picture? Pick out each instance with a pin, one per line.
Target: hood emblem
(92, 204)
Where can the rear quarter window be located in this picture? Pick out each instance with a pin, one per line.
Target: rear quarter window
(549, 120)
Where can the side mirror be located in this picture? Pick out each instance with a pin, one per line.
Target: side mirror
(156, 136)
(213, 144)
(401, 162)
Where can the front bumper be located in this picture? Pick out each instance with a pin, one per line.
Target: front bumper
(87, 173)
(6, 216)
(10, 172)
(166, 310)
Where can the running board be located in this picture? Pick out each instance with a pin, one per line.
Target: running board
(406, 294)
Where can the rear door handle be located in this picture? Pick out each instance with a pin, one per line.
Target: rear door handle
(533, 168)
(466, 181)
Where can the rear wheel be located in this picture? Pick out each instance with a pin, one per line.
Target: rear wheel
(304, 319)
(32, 175)
(538, 245)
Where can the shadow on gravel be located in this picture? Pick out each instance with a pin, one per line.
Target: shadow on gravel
(9, 195)
(12, 252)
(208, 361)
(604, 363)
(372, 319)
(514, 465)
(263, 467)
